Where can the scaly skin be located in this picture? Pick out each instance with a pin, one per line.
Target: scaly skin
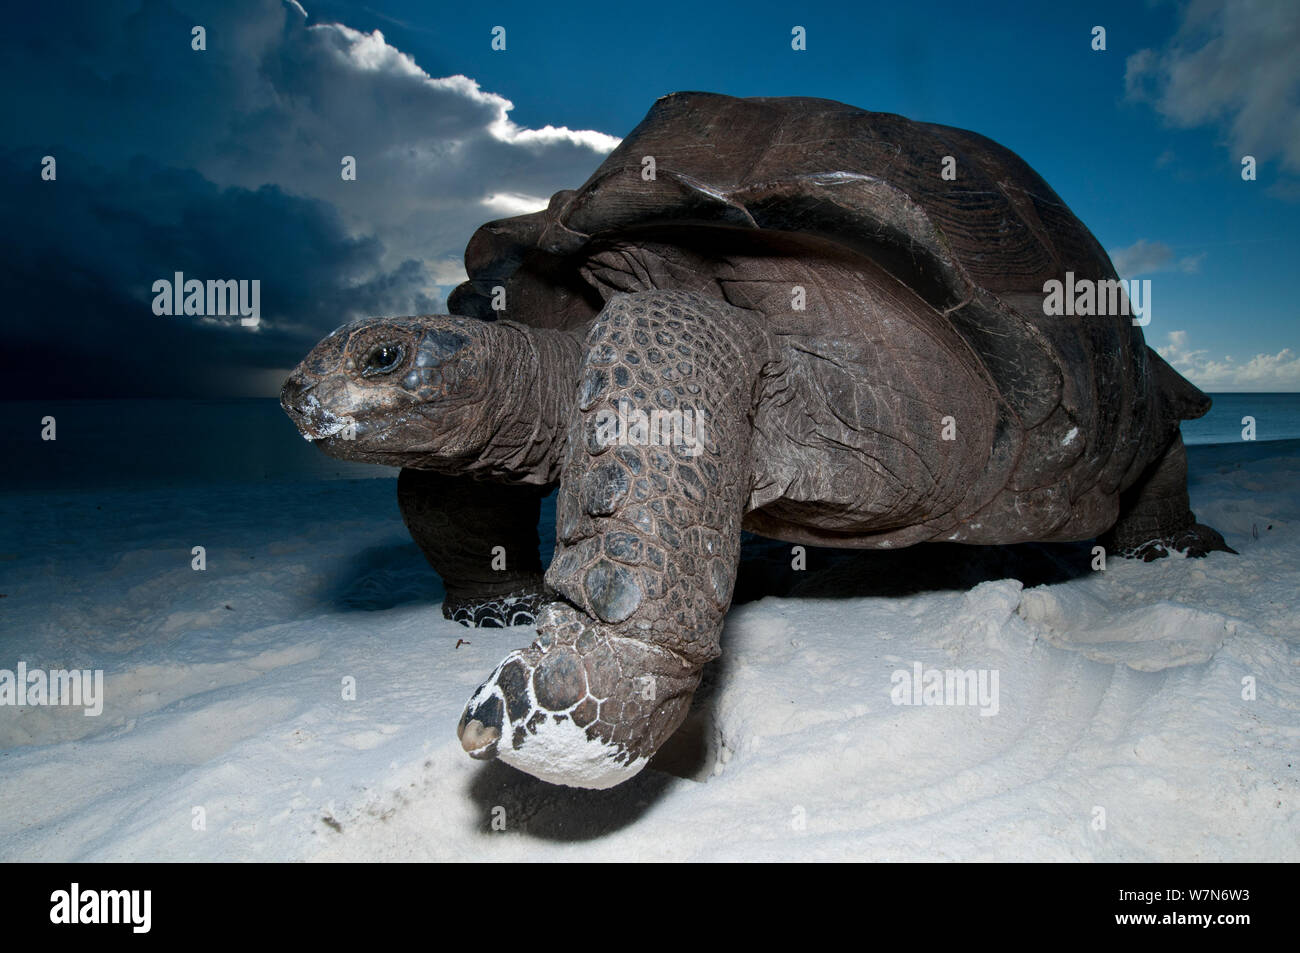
(648, 546)
(469, 398)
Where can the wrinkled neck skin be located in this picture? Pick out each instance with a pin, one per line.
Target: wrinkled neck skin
(526, 405)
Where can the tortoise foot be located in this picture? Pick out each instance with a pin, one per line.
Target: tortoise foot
(580, 706)
(498, 612)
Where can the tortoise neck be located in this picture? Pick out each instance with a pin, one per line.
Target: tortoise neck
(530, 403)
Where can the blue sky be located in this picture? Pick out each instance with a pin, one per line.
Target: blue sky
(1023, 74)
(225, 160)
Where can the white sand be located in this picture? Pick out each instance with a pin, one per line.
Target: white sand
(1119, 692)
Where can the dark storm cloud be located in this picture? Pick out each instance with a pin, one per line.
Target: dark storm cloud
(77, 279)
(224, 164)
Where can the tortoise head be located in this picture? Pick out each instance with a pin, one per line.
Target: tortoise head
(397, 391)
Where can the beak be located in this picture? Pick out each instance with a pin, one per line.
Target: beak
(307, 400)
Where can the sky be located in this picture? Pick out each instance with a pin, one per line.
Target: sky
(225, 162)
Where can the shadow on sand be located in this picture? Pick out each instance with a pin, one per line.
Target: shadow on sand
(382, 577)
(548, 812)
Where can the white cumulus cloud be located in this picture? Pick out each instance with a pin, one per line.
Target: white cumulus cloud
(1233, 63)
(227, 163)
(1263, 372)
(435, 156)
(1144, 257)
(279, 101)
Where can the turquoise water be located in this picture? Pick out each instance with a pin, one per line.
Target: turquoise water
(147, 443)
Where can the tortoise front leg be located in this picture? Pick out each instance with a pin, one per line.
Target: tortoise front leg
(458, 523)
(648, 541)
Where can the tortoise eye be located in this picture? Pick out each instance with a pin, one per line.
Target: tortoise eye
(382, 359)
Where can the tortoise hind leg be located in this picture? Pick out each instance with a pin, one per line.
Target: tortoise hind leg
(458, 523)
(1155, 514)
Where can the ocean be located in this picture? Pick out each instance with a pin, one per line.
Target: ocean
(124, 444)
(1276, 416)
